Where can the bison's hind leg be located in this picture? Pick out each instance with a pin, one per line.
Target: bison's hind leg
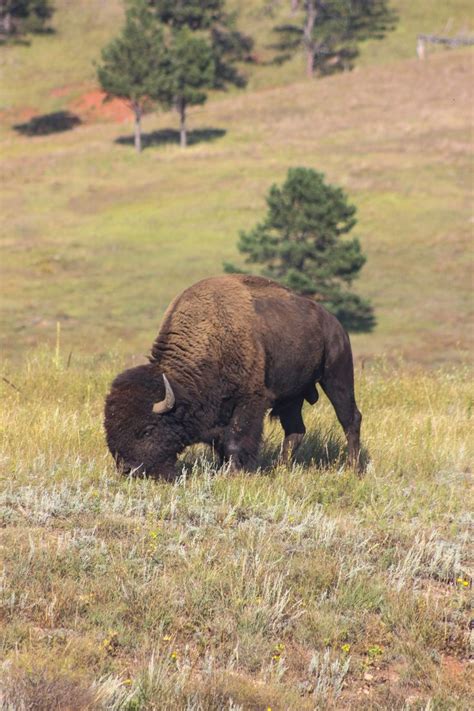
(339, 387)
(293, 426)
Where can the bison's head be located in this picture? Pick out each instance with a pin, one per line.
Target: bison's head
(141, 429)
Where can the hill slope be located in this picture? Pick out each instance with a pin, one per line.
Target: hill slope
(100, 240)
(32, 75)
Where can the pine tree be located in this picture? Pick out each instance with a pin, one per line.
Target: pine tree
(210, 19)
(329, 31)
(299, 244)
(193, 14)
(21, 16)
(133, 64)
(188, 70)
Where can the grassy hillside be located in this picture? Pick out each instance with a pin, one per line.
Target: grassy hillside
(32, 76)
(295, 588)
(451, 17)
(100, 240)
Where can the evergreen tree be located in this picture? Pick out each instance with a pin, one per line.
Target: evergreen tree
(329, 31)
(299, 245)
(133, 64)
(188, 70)
(210, 19)
(22, 16)
(194, 14)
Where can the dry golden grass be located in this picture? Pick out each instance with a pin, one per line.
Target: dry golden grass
(289, 588)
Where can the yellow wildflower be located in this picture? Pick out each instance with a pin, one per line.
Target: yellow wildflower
(111, 642)
(346, 648)
(85, 599)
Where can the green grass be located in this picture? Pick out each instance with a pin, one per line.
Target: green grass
(447, 19)
(63, 60)
(66, 59)
(294, 588)
(101, 240)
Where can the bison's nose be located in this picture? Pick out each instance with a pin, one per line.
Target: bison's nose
(122, 466)
(134, 470)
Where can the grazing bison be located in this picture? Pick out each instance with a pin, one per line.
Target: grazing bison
(229, 349)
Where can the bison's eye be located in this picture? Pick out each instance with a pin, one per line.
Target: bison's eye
(146, 432)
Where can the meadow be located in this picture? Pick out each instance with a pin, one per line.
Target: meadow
(100, 240)
(301, 587)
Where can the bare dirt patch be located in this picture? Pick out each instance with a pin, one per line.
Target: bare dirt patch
(92, 106)
(61, 91)
(454, 668)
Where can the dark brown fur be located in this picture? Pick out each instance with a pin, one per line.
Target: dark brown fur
(232, 347)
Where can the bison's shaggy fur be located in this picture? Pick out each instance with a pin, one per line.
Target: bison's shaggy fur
(231, 347)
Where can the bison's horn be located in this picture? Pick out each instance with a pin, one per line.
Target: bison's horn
(168, 403)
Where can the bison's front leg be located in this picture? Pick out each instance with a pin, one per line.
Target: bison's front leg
(244, 433)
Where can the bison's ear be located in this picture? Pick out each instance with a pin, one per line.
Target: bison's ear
(168, 403)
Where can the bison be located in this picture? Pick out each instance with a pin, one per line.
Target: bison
(229, 349)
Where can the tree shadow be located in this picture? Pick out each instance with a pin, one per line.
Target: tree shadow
(21, 38)
(167, 136)
(48, 123)
(13, 41)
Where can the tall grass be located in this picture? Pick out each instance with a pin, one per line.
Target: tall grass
(291, 587)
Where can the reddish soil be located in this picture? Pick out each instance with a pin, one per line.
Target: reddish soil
(454, 668)
(91, 107)
(61, 91)
(26, 113)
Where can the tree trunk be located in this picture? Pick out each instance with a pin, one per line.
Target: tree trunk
(420, 48)
(308, 41)
(182, 124)
(309, 62)
(138, 127)
(7, 24)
